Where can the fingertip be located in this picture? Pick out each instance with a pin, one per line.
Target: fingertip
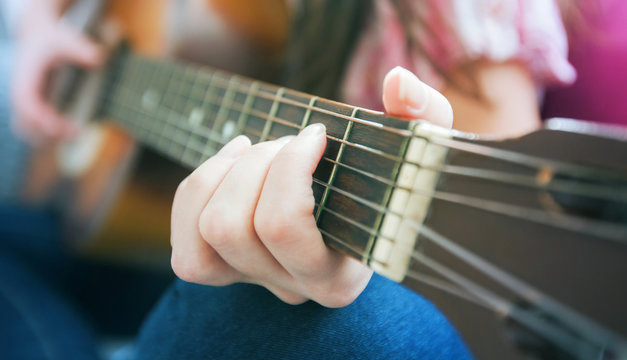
(406, 96)
(313, 139)
(313, 130)
(235, 147)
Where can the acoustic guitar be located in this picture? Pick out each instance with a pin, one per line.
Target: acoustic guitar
(522, 239)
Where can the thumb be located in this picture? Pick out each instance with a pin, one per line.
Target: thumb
(75, 47)
(406, 96)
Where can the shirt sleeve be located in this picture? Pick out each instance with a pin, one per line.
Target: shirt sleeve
(441, 35)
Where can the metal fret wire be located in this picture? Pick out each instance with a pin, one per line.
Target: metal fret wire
(567, 222)
(564, 186)
(491, 272)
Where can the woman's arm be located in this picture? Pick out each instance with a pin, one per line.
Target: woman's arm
(508, 103)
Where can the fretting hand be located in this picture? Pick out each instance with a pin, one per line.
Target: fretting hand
(44, 42)
(245, 215)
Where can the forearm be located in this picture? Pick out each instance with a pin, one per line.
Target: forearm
(507, 106)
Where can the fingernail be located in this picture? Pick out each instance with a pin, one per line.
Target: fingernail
(235, 147)
(411, 91)
(313, 130)
(284, 139)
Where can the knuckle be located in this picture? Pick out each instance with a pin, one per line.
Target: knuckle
(289, 155)
(264, 149)
(214, 227)
(200, 271)
(186, 269)
(334, 297)
(193, 182)
(272, 227)
(280, 223)
(290, 297)
(221, 229)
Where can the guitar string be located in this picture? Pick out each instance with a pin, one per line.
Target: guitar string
(511, 156)
(467, 289)
(564, 221)
(522, 159)
(573, 187)
(562, 186)
(555, 185)
(498, 275)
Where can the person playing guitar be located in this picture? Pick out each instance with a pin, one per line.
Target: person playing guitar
(245, 214)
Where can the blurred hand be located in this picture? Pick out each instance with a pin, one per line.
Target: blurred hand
(245, 215)
(45, 42)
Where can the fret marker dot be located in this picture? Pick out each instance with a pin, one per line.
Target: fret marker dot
(196, 116)
(228, 130)
(150, 99)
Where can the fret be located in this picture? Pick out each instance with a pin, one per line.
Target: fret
(256, 120)
(223, 111)
(181, 106)
(151, 119)
(273, 111)
(158, 124)
(150, 100)
(209, 114)
(310, 105)
(195, 118)
(338, 158)
(246, 109)
(288, 117)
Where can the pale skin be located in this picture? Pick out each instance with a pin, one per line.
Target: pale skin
(245, 215)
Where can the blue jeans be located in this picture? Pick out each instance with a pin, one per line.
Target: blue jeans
(245, 321)
(36, 320)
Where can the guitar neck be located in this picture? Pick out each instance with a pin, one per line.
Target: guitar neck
(188, 112)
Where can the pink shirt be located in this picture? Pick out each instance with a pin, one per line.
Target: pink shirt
(454, 32)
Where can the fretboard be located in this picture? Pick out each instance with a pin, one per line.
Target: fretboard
(188, 112)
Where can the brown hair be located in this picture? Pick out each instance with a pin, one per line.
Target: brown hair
(324, 33)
